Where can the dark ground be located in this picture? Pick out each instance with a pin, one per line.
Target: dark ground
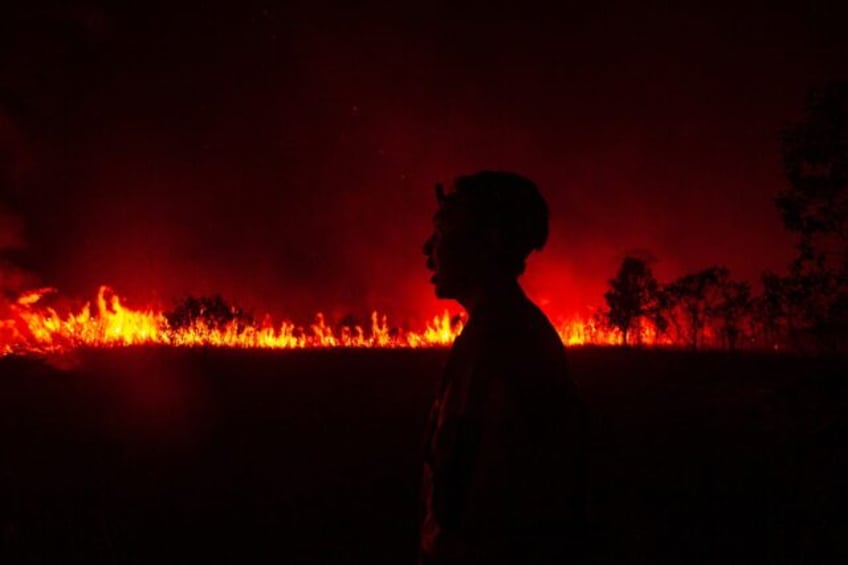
(165, 455)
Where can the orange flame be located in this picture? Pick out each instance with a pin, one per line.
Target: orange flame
(28, 327)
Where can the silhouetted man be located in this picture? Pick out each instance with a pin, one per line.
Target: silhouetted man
(503, 473)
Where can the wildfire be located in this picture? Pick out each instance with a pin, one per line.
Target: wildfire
(27, 326)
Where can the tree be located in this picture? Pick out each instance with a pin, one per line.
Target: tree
(732, 310)
(669, 311)
(695, 297)
(632, 295)
(659, 314)
(767, 311)
(210, 311)
(815, 206)
(812, 306)
(815, 160)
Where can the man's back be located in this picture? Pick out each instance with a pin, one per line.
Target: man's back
(503, 480)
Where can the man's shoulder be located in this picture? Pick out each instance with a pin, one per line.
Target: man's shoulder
(516, 340)
(514, 325)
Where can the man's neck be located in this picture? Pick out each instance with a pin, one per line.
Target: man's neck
(498, 292)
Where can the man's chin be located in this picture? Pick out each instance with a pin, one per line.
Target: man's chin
(444, 288)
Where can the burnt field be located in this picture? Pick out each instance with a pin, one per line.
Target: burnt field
(165, 455)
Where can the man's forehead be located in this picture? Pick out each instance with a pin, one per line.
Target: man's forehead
(450, 213)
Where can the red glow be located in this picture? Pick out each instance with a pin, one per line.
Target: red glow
(29, 327)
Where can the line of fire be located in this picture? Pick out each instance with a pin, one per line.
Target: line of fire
(31, 328)
(703, 310)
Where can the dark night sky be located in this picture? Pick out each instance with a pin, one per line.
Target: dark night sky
(285, 156)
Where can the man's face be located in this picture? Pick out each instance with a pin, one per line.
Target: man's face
(453, 253)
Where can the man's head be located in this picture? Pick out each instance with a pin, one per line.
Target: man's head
(484, 230)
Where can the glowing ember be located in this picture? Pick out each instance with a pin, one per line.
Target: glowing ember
(27, 327)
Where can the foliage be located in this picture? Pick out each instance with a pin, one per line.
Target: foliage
(704, 308)
(694, 298)
(815, 160)
(732, 310)
(211, 311)
(815, 206)
(632, 296)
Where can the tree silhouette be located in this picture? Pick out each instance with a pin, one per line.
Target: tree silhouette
(767, 310)
(632, 297)
(815, 206)
(695, 298)
(211, 311)
(732, 310)
(660, 313)
(815, 160)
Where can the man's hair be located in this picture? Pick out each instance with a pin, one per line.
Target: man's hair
(508, 203)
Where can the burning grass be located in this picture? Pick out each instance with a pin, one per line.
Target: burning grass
(28, 326)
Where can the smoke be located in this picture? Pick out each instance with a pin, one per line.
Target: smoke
(11, 230)
(285, 159)
(13, 168)
(13, 278)
(43, 48)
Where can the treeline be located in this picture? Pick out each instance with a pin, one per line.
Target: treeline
(805, 309)
(710, 309)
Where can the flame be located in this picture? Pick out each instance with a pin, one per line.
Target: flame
(27, 326)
